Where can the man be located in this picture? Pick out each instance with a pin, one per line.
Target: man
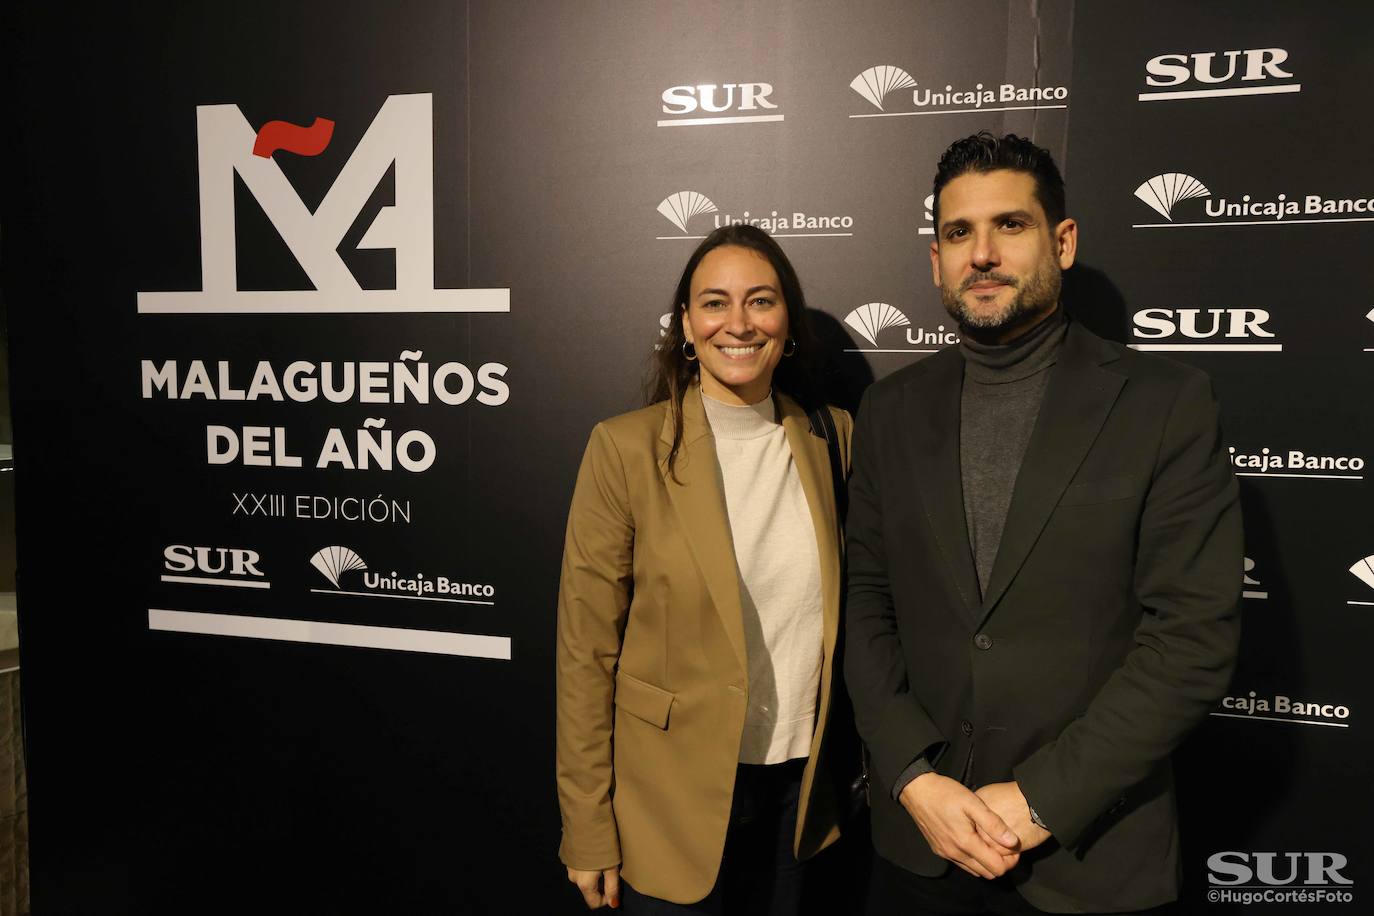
(1044, 546)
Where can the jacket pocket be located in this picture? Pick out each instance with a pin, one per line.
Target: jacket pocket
(1108, 489)
(642, 700)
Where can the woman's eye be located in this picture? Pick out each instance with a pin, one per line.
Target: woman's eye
(763, 302)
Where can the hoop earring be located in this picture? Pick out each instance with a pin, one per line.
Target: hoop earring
(690, 357)
(792, 343)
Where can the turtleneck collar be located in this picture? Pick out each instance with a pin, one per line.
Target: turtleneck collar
(1032, 352)
(740, 421)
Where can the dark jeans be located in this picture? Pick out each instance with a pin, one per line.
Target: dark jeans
(758, 874)
(894, 890)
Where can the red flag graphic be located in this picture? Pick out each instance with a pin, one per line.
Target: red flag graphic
(303, 141)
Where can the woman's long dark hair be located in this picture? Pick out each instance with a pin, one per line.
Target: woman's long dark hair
(673, 373)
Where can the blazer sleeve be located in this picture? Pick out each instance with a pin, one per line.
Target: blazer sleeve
(892, 722)
(1187, 579)
(593, 603)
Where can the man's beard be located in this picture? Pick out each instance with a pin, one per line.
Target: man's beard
(1035, 295)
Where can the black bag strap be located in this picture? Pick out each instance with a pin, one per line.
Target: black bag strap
(823, 425)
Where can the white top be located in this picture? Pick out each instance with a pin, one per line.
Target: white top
(779, 578)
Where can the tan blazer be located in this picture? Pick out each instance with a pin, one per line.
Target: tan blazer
(651, 678)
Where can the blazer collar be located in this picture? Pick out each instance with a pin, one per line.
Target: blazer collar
(811, 455)
(932, 405)
(1078, 398)
(697, 494)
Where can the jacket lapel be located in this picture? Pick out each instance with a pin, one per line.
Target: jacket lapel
(812, 458)
(932, 402)
(698, 498)
(1077, 401)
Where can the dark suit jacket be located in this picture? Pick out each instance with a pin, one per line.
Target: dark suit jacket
(1108, 630)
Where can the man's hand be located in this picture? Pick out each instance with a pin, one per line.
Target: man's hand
(599, 888)
(1005, 800)
(959, 826)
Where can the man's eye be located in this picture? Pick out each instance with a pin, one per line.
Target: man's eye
(1013, 224)
(956, 233)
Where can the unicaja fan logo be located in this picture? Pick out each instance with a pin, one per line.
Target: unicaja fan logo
(1364, 571)
(871, 319)
(400, 140)
(1163, 191)
(679, 208)
(333, 562)
(876, 82)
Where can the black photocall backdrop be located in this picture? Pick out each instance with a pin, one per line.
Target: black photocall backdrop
(174, 770)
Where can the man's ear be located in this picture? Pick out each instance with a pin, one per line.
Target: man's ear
(935, 262)
(1066, 243)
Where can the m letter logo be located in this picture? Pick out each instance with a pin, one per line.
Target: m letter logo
(402, 134)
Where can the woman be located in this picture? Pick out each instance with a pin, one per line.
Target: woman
(698, 756)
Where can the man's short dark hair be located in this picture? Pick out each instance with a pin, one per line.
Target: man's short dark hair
(984, 152)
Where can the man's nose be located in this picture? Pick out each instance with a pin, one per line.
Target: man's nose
(985, 255)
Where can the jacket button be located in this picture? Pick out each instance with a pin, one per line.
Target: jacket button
(966, 727)
(983, 641)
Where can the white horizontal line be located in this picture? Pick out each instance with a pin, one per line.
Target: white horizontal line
(338, 591)
(1218, 93)
(732, 119)
(776, 235)
(8, 670)
(207, 580)
(435, 642)
(1307, 476)
(1258, 222)
(1207, 348)
(1232, 715)
(1362, 603)
(892, 351)
(1366, 349)
(907, 114)
(314, 302)
(927, 230)
(1254, 594)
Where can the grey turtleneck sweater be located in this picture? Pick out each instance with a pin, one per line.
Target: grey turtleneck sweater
(1003, 387)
